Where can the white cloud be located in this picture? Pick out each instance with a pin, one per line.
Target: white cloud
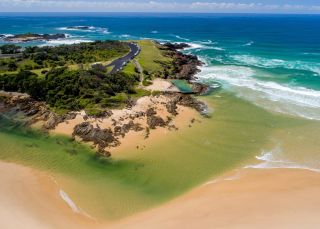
(151, 6)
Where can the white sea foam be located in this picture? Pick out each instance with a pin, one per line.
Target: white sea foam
(274, 160)
(65, 42)
(7, 35)
(68, 200)
(297, 101)
(218, 48)
(276, 63)
(195, 46)
(248, 44)
(154, 32)
(201, 46)
(124, 36)
(311, 53)
(207, 42)
(87, 29)
(180, 38)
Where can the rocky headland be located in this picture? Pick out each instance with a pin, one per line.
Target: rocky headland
(143, 115)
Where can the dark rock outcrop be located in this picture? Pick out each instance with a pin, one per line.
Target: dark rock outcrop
(101, 137)
(33, 37)
(155, 121)
(172, 107)
(125, 128)
(150, 112)
(176, 46)
(33, 110)
(199, 88)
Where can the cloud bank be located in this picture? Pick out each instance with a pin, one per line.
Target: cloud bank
(151, 6)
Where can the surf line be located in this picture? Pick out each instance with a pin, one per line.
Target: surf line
(65, 197)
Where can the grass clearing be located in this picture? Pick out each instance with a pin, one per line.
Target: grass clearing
(150, 57)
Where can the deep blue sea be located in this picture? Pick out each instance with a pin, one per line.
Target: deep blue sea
(270, 60)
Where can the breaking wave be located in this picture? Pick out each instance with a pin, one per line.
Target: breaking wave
(248, 44)
(201, 46)
(65, 42)
(276, 63)
(180, 38)
(274, 160)
(86, 29)
(297, 101)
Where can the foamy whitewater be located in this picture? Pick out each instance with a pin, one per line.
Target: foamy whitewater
(275, 160)
(297, 101)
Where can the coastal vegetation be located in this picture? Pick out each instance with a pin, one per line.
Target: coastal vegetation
(33, 58)
(58, 76)
(72, 90)
(76, 77)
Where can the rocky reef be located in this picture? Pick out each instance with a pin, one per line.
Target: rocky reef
(27, 37)
(186, 66)
(34, 111)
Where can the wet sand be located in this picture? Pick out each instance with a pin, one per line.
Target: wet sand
(248, 198)
(277, 198)
(30, 199)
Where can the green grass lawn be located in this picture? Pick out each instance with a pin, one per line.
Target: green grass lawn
(129, 69)
(150, 56)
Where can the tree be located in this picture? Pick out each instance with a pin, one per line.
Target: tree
(12, 66)
(10, 49)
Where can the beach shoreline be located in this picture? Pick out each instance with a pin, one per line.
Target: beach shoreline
(244, 198)
(30, 199)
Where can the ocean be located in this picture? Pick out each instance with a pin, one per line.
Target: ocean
(268, 68)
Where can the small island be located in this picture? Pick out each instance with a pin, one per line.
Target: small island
(27, 37)
(79, 90)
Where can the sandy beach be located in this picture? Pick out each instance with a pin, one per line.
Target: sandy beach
(247, 198)
(277, 198)
(30, 199)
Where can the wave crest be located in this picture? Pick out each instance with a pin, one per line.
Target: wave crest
(275, 63)
(297, 101)
(273, 160)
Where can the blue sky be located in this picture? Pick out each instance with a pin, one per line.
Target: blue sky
(214, 6)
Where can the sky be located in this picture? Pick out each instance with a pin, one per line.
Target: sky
(205, 6)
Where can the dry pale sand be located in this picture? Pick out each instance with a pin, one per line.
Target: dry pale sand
(31, 200)
(278, 198)
(159, 84)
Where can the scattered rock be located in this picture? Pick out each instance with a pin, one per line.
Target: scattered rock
(151, 112)
(155, 121)
(172, 107)
(125, 128)
(101, 137)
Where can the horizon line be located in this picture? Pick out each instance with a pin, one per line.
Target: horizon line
(163, 12)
